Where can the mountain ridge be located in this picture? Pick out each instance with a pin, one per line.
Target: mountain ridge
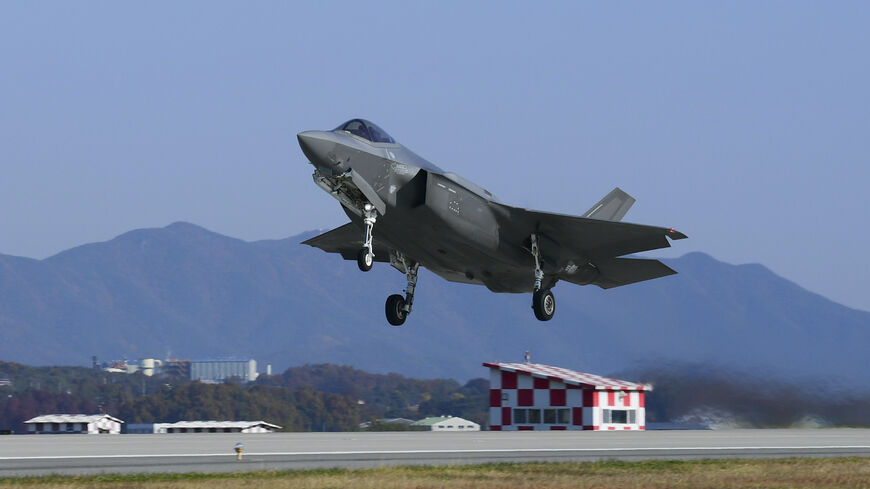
(183, 290)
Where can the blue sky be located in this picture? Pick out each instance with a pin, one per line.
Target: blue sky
(743, 124)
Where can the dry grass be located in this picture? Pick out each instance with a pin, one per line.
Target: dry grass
(781, 473)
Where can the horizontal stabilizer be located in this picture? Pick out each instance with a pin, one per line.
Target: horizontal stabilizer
(623, 271)
(612, 207)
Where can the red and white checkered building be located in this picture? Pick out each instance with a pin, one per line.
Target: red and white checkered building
(531, 396)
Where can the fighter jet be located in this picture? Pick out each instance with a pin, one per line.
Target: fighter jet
(407, 212)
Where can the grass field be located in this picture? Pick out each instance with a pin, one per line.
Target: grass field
(779, 473)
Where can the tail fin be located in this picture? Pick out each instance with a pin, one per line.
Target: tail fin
(612, 207)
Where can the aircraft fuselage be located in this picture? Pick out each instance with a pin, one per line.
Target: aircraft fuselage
(408, 212)
(424, 205)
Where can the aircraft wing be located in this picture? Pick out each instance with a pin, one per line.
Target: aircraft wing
(347, 240)
(569, 242)
(591, 238)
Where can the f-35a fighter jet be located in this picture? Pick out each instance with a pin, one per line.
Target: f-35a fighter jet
(408, 212)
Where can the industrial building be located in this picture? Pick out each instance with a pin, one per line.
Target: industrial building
(221, 370)
(445, 423)
(206, 427)
(530, 396)
(210, 371)
(74, 423)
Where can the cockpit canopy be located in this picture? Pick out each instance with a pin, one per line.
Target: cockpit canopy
(366, 130)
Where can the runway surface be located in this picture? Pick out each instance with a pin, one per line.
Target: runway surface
(95, 454)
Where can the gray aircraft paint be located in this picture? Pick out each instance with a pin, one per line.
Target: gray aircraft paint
(462, 232)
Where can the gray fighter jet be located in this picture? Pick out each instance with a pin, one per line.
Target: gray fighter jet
(408, 212)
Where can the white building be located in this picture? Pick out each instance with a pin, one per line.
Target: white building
(220, 370)
(213, 427)
(446, 423)
(531, 396)
(74, 423)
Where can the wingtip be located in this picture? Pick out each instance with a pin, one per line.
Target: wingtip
(674, 234)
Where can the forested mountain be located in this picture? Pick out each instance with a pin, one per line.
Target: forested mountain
(184, 291)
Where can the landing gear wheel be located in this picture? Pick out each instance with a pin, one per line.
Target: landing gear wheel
(544, 305)
(364, 260)
(396, 310)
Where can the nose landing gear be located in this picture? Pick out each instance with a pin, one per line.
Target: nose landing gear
(366, 256)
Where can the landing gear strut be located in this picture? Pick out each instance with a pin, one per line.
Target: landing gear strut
(366, 256)
(543, 301)
(398, 307)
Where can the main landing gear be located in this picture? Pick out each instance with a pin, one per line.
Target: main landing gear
(366, 256)
(398, 307)
(543, 301)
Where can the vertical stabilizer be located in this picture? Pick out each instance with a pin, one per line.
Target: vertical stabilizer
(612, 207)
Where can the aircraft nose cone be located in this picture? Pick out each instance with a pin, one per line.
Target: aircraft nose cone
(314, 146)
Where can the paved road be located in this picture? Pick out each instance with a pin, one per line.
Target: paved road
(94, 454)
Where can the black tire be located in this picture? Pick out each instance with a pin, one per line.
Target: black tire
(395, 309)
(364, 260)
(544, 305)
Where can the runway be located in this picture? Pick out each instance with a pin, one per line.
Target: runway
(22, 455)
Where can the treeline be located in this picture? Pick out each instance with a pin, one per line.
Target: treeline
(328, 397)
(391, 395)
(301, 410)
(311, 398)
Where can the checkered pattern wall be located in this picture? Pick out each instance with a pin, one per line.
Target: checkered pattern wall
(531, 397)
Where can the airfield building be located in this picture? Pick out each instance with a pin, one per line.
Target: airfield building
(531, 396)
(74, 423)
(204, 427)
(445, 423)
(221, 370)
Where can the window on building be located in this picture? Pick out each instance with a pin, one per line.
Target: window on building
(39, 426)
(70, 426)
(549, 416)
(55, 426)
(534, 416)
(620, 416)
(520, 416)
(563, 416)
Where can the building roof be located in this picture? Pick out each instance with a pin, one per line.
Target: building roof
(71, 418)
(570, 377)
(430, 421)
(217, 424)
(440, 419)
